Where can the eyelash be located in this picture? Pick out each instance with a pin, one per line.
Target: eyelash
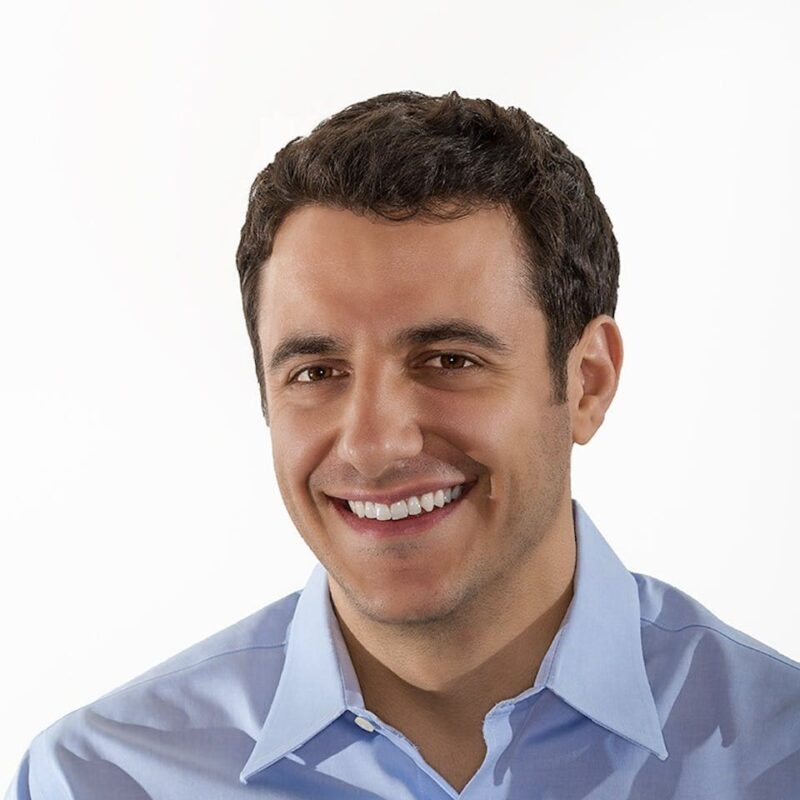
(293, 378)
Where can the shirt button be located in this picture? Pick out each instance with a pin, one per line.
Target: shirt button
(364, 723)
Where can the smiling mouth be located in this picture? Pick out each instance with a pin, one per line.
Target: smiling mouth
(415, 505)
(411, 524)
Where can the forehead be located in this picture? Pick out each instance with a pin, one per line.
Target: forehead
(333, 268)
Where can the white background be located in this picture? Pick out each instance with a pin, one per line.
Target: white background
(139, 508)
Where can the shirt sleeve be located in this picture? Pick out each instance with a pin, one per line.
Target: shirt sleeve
(20, 786)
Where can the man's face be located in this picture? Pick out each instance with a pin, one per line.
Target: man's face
(380, 415)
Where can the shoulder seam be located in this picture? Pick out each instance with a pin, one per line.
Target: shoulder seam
(784, 660)
(114, 692)
(119, 690)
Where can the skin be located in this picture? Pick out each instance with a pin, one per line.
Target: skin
(442, 626)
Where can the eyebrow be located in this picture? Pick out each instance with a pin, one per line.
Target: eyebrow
(440, 330)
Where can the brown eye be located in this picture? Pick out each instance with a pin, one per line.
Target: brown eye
(315, 370)
(451, 357)
(453, 362)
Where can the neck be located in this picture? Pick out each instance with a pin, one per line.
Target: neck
(489, 651)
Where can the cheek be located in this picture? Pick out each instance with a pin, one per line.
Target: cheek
(297, 456)
(526, 447)
(494, 429)
(483, 414)
(295, 452)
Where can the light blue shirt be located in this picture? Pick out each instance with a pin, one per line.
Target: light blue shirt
(643, 694)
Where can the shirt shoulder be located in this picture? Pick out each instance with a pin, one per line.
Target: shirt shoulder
(707, 675)
(670, 610)
(222, 685)
(265, 629)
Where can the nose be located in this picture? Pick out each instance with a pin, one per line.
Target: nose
(379, 425)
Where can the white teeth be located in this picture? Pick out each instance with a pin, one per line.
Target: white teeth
(399, 510)
(404, 508)
(359, 508)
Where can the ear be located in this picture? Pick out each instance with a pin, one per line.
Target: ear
(594, 367)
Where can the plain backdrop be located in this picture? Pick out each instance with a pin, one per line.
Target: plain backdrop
(139, 509)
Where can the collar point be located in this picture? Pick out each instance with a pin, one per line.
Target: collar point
(658, 747)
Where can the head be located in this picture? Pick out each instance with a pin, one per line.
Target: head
(395, 215)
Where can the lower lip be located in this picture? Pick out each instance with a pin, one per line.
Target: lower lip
(399, 527)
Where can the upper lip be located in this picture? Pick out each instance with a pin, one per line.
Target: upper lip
(389, 497)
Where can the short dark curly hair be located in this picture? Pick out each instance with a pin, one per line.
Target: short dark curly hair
(405, 154)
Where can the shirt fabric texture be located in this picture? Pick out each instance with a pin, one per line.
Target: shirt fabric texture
(643, 694)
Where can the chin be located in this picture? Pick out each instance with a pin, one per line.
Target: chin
(403, 605)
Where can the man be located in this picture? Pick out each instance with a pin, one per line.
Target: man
(429, 286)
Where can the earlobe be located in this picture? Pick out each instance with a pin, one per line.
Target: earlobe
(596, 362)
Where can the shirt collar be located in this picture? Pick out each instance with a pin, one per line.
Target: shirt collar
(317, 684)
(594, 663)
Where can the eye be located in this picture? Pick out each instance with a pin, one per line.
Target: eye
(447, 358)
(313, 369)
